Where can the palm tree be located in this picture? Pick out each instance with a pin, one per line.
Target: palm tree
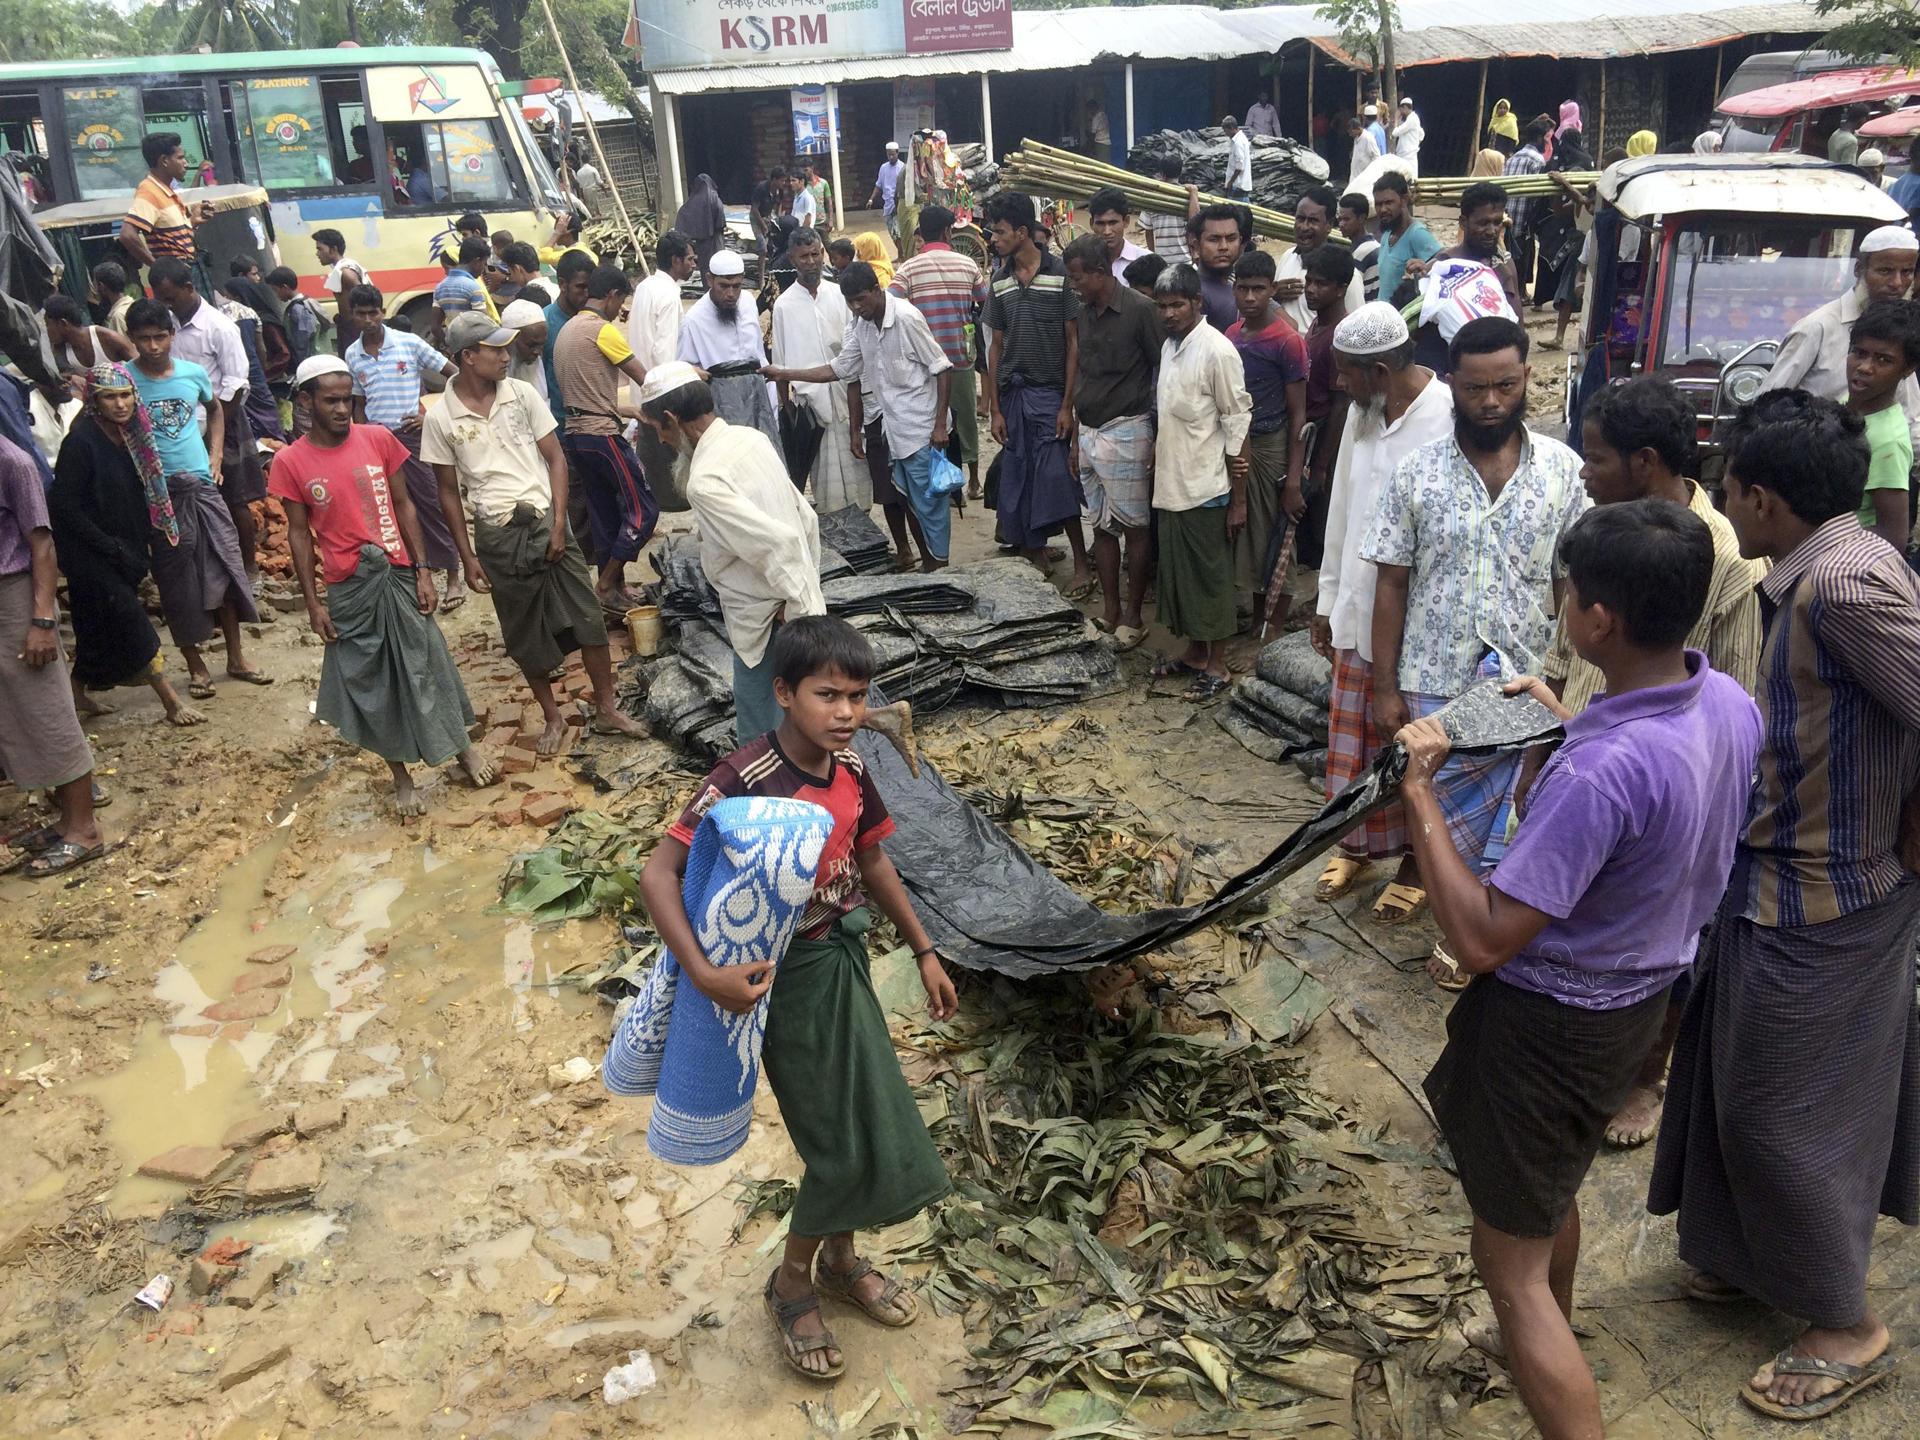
(223, 26)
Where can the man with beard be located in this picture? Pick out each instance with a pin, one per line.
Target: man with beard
(721, 335)
(1483, 218)
(759, 539)
(1813, 357)
(1463, 539)
(1402, 238)
(387, 682)
(1219, 235)
(810, 323)
(589, 359)
(1032, 368)
(653, 330)
(492, 435)
(1395, 407)
(1313, 216)
(528, 322)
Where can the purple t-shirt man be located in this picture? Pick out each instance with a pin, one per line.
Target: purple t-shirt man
(1628, 839)
(1274, 358)
(23, 510)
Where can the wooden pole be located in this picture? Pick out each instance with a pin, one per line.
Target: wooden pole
(1603, 110)
(593, 134)
(1719, 54)
(1479, 119)
(1309, 129)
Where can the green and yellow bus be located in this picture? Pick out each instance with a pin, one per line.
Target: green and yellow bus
(386, 144)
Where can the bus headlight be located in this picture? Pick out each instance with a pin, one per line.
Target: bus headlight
(1742, 385)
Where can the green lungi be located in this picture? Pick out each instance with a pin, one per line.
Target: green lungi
(387, 684)
(1195, 576)
(547, 608)
(1264, 484)
(846, 1106)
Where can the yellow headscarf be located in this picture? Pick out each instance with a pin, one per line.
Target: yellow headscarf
(1642, 142)
(1487, 163)
(871, 248)
(1504, 121)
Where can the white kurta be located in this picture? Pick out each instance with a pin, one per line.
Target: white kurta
(808, 331)
(653, 326)
(1291, 266)
(1205, 413)
(759, 540)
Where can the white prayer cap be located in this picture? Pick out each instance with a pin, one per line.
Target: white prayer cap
(667, 378)
(1368, 108)
(1374, 329)
(1870, 157)
(521, 313)
(315, 366)
(1889, 237)
(726, 262)
(893, 144)
(1407, 100)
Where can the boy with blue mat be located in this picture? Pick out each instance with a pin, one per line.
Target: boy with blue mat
(827, 1054)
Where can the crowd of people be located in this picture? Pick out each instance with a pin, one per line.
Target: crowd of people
(1694, 916)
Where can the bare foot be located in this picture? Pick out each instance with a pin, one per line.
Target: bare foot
(1639, 1117)
(478, 766)
(185, 715)
(88, 707)
(1854, 1346)
(552, 738)
(610, 720)
(406, 800)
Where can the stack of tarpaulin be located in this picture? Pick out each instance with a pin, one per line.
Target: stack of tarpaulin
(1279, 712)
(994, 632)
(1283, 170)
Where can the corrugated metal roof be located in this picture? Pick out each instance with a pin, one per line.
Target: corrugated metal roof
(1433, 31)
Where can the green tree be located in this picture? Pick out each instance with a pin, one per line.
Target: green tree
(221, 25)
(1366, 33)
(61, 30)
(1869, 29)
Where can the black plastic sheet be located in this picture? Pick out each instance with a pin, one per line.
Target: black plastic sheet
(990, 906)
(1283, 170)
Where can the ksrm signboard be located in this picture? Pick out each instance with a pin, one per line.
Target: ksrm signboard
(673, 34)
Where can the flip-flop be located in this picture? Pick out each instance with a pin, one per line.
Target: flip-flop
(1398, 904)
(839, 1284)
(61, 857)
(1853, 1379)
(1128, 637)
(1102, 626)
(1338, 877)
(1170, 669)
(1696, 1287)
(1205, 686)
(101, 796)
(1084, 589)
(200, 690)
(250, 677)
(32, 840)
(453, 602)
(1457, 980)
(797, 1347)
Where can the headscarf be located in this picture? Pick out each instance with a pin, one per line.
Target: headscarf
(1642, 142)
(138, 433)
(1707, 142)
(1569, 119)
(704, 215)
(1572, 153)
(868, 246)
(1546, 140)
(1487, 163)
(1504, 121)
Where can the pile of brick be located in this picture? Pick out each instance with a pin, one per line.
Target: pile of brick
(270, 524)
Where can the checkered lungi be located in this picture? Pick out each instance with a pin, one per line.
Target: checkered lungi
(1475, 792)
(1116, 473)
(1352, 744)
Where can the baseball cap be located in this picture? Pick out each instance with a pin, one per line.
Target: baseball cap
(475, 328)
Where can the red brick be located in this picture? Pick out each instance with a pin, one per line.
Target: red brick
(236, 1031)
(502, 712)
(274, 977)
(272, 955)
(502, 736)
(284, 1177)
(197, 1032)
(515, 761)
(250, 1006)
(465, 819)
(543, 809)
(188, 1164)
(507, 813)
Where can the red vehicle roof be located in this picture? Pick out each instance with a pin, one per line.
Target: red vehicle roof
(1896, 126)
(1823, 92)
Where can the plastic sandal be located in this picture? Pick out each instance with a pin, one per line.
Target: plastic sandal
(840, 1283)
(798, 1347)
(1853, 1379)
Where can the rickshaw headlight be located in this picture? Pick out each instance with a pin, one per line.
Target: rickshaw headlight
(1744, 384)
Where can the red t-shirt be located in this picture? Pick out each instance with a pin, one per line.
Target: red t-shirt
(348, 495)
(847, 791)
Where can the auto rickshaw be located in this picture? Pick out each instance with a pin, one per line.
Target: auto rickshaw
(1700, 264)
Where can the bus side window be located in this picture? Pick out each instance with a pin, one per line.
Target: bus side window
(102, 126)
(465, 160)
(287, 129)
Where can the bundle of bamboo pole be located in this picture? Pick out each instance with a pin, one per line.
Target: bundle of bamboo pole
(1048, 170)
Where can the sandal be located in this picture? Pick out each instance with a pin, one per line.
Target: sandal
(1169, 669)
(453, 602)
(60, 857)
(798, 1347)
(250, 677)
(1128, 637)
(1853, 1379)
(33, 840)
(1084, 589)
(1102, 626)
(1456, 980)
(1398, 904)
(1711, 1289)
(840, 1283)
(1205, 686)
(1338, 877)
(200, 690)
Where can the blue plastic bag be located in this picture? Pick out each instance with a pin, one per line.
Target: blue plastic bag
(943, 476)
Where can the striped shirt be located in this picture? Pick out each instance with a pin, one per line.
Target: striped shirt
(1839, 695)
(944, 286)
(160, 217)
(389, 379)
(1727, 632)
(1524, 161)
(1033, 319)
(1169, 236)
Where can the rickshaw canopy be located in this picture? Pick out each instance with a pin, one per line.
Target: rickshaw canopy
(1773, 184)
(1823, 92)
(1897, 126)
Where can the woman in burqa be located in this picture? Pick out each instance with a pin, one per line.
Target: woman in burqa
(703, 220)
(108, 503)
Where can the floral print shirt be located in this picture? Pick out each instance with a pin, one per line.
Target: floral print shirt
(1482, 569)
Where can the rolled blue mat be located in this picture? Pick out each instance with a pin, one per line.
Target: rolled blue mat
(750, 874)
